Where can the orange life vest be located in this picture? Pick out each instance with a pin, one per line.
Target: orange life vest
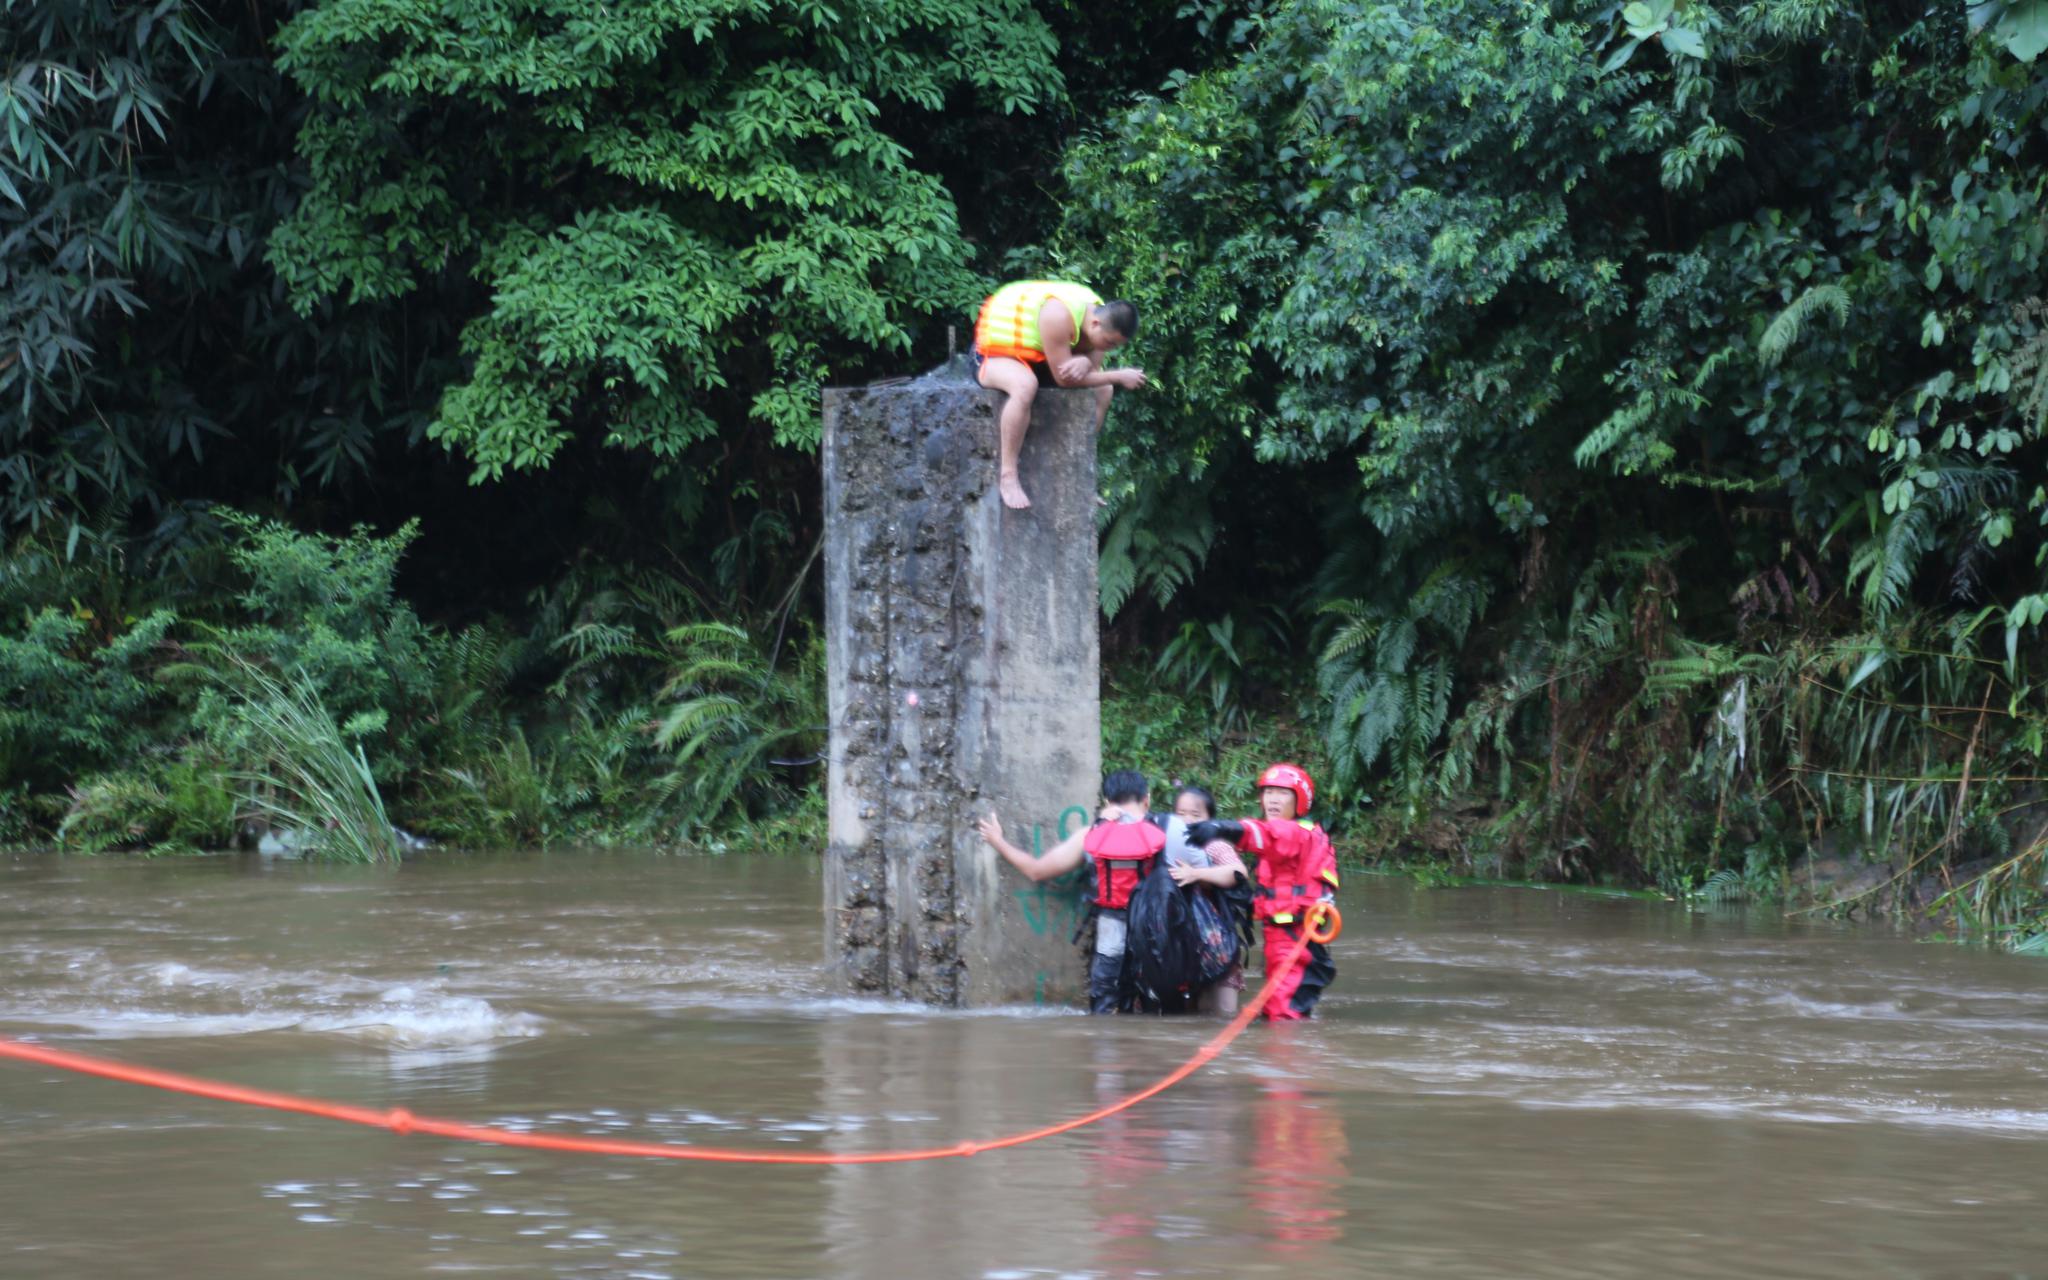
(1008, 323)
(1124, 853)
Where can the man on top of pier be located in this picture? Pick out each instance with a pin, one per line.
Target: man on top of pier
(1048, 333)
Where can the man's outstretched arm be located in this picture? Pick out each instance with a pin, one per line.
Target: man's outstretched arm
(1058, 860)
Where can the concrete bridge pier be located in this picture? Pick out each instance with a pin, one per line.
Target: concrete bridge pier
(963, 648)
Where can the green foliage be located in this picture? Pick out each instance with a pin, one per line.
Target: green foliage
(1386, 675)
(1431, 875)
(324, 610)
(112, 810)
(77, 658)
(738, 725)
(675, 210)
(1785, 331)
(475, 737)
(1163, 732)
(799, 831)
(1759, 879)
(144, 157)
(179, 805)
(249, 255)
(1222, 666)
(1155, 730)
(2020, 26)
(505, 797)
(1667, 332)
(75, 693)
(1153, 544)
(586, 782)
(303, 774)
(1634, 412)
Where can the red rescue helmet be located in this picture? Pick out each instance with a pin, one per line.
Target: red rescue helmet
(1295, 779)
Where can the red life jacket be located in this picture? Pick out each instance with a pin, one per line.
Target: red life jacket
(1124, 853)
(1296, 867)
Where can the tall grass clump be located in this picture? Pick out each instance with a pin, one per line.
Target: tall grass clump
(302, 772)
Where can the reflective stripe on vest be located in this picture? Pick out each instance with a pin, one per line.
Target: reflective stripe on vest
(1008, 323)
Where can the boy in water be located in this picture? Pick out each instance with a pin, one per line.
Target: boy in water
(1120, 849)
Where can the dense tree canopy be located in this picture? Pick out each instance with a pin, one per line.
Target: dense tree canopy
(1664, 381)
(661, 201)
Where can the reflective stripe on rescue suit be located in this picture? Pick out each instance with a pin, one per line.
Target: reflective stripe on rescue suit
(1296, 867)
(1008, 323)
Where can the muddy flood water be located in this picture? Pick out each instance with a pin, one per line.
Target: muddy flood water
(1503, 1083)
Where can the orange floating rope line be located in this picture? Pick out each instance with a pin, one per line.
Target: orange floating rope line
(401, 1121)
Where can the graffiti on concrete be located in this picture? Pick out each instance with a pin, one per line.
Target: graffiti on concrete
(1055, 905)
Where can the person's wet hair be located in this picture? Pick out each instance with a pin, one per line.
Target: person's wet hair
(1200, 793)
(1121, 316)
(1125, 786)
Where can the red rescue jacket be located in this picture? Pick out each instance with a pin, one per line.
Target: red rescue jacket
(1124, 853)
(1296, 867)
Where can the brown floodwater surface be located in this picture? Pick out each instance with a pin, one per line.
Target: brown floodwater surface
(1502, 1083)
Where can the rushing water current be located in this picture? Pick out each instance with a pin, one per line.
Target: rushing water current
(1502, 1083)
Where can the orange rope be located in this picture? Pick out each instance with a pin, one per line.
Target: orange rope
(401, 1121)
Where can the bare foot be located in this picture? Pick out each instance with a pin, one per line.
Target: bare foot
(1013, 493)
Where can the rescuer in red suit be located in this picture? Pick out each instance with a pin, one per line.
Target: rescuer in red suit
(1297, 868)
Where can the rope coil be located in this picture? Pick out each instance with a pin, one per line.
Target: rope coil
(403, 1122)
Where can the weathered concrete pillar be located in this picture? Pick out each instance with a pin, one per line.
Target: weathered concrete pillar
(962, 641)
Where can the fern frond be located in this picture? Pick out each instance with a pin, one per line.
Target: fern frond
(1618, 426)
(1785, 329)
(1116, 572)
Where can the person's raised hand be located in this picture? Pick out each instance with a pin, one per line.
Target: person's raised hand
(990, 828)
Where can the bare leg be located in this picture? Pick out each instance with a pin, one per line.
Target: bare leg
(1219, 998)
(1020, 385)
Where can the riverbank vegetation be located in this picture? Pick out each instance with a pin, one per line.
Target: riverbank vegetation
(1605, 441)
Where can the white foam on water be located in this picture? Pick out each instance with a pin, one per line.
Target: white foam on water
(403, 1018)
(2009, 1122)
(107, 1000)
